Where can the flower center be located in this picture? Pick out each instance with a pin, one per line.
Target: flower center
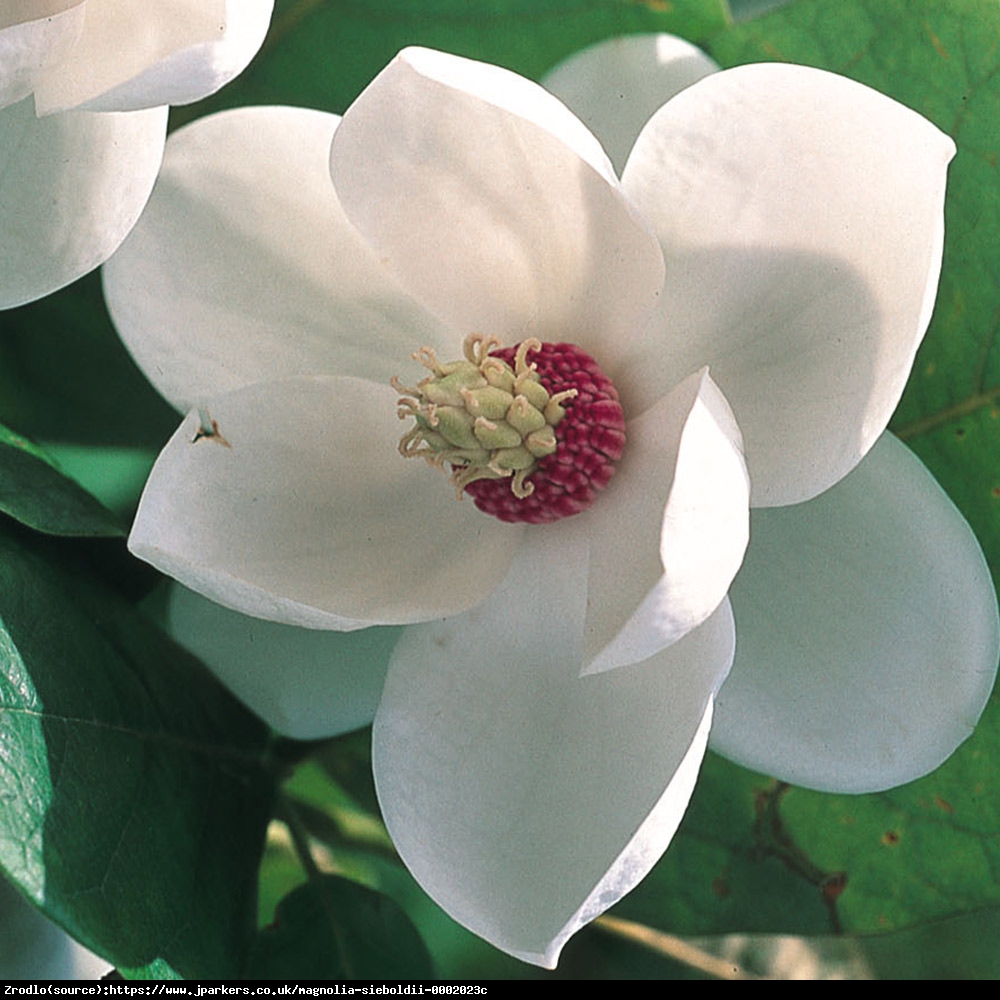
(528, 441)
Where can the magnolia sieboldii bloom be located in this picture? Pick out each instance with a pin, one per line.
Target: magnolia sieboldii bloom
(755, 285)
(84, 86)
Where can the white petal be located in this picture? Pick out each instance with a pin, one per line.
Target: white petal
(524, 798)
(305, 683)
(493, 204)
(616, 85)
(143, 53)
(801, 217)
(34, 34)
(867, 633)
(71, 187)
(304, 512)
(669, 534)
(243, 267)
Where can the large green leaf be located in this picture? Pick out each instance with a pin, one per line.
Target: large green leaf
(36, 493)
(65, 375)
(330, 928)
(962, 948)
(753, 855)
(732, 867)
(135, 790)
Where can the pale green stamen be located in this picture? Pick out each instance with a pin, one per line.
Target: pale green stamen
(486, 419)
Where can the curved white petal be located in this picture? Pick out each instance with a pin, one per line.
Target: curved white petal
(617, 84)
(800, 214)
(305, 683)
(300, 510)
(243, 267)
(669, 534)
(34, 34)
(493, 204)
(524, 798)
(867, 633)
(71, 187)
(142, 53)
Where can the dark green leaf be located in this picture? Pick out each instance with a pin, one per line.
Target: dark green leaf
(155, 971)
(731, 867)
(756, 856)
(34, 492)
(334, 929)
(962, 948)
(66, 376)
(927, 850)
(135, 790)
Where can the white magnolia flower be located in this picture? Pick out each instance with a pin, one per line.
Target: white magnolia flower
(84, 86)
(547, 705)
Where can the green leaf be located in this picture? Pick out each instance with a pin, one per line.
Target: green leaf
(330, 928)
(756, 856)
(280, 873)
(114, 474)
(731, 868)
(65, 375)
(321, 799)
(323, 54)
(135, 790)
(928, 850)
(156, 972)
(962, 948)
(34, 492)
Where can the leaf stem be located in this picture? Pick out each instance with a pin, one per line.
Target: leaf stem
(961, 409)
(672, 947)
(289, 815)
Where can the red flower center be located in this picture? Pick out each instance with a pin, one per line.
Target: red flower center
(589, 440)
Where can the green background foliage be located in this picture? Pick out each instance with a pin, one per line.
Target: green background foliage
(143, 808)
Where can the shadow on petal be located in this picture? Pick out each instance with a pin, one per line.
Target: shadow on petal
(810, 364)
(868, 634)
